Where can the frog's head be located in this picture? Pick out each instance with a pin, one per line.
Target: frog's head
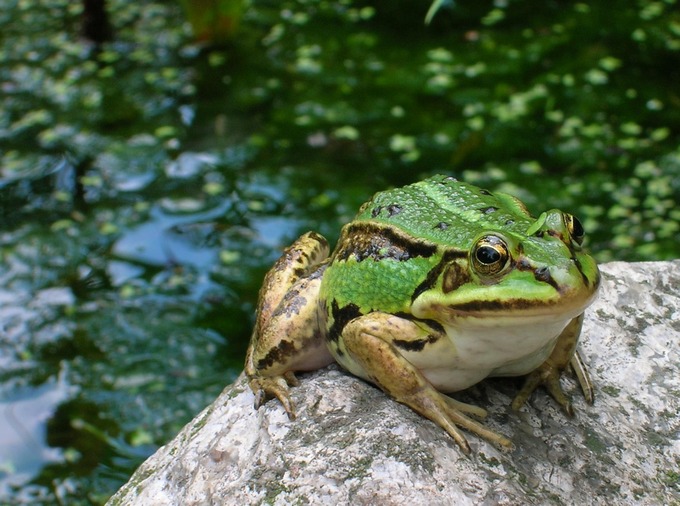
(542, 273)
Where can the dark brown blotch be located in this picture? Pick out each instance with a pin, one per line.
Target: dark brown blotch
(341, 317)
(416, 344)
(277, 355)
(371, 241)
(318, 237)
(434, 325)
(455, 275)
(436, 271)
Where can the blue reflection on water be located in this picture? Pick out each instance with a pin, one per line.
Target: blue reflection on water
(23, 419)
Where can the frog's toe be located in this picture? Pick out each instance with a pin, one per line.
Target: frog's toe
(466, 408)
(583, 377)
(291, 379)
(275, 386)
(451, 415)
(455, 417)
(552, 384)
(531, 383)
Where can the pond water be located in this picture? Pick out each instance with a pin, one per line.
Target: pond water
(146, 185)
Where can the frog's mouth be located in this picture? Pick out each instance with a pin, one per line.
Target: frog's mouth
(519, 309)
(506, 304)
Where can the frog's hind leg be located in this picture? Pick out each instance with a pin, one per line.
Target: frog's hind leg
(298, 261)
(367, 340)
(287, 336)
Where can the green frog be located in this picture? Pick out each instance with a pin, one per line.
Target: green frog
(431, 288)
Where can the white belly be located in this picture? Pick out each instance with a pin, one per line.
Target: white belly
(477, 349)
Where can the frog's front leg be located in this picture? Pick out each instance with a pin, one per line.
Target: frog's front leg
(368, 341)
(548, 374)
(287, 336)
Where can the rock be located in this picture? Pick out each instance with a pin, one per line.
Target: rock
(351, 444)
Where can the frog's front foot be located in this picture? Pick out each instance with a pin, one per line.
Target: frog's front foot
(265, 387)
(368, 341)
(549, 375)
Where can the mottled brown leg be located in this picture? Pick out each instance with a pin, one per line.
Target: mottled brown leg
(287, 337)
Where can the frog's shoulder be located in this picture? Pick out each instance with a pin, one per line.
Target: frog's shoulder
(442, 210)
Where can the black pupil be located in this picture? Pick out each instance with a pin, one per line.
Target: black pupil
(578, 228)
(488, 255)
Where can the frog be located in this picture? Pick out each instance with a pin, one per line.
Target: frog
(431, 288)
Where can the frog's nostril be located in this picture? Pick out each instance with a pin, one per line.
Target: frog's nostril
(542, 274)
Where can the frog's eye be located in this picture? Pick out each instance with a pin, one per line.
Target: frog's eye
(490, 255)
(575, 229)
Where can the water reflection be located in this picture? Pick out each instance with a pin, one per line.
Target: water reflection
(24, 415)
(159, 241)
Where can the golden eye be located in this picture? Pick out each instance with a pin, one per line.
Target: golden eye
(575, 228)
(490, 255)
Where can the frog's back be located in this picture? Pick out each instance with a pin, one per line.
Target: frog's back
(402, 235)
(446, 212)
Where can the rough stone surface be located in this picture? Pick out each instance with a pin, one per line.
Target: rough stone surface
(352, 445)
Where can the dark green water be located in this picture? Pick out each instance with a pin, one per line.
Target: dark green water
(145, 188)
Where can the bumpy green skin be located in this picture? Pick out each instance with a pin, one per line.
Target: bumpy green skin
(449, 216)
(386, 285)
(465, 208)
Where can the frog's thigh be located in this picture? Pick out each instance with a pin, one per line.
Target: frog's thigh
(368, 340)
(291, 339)
(297, 261)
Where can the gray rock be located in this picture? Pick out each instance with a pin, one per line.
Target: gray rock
(352, 445)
